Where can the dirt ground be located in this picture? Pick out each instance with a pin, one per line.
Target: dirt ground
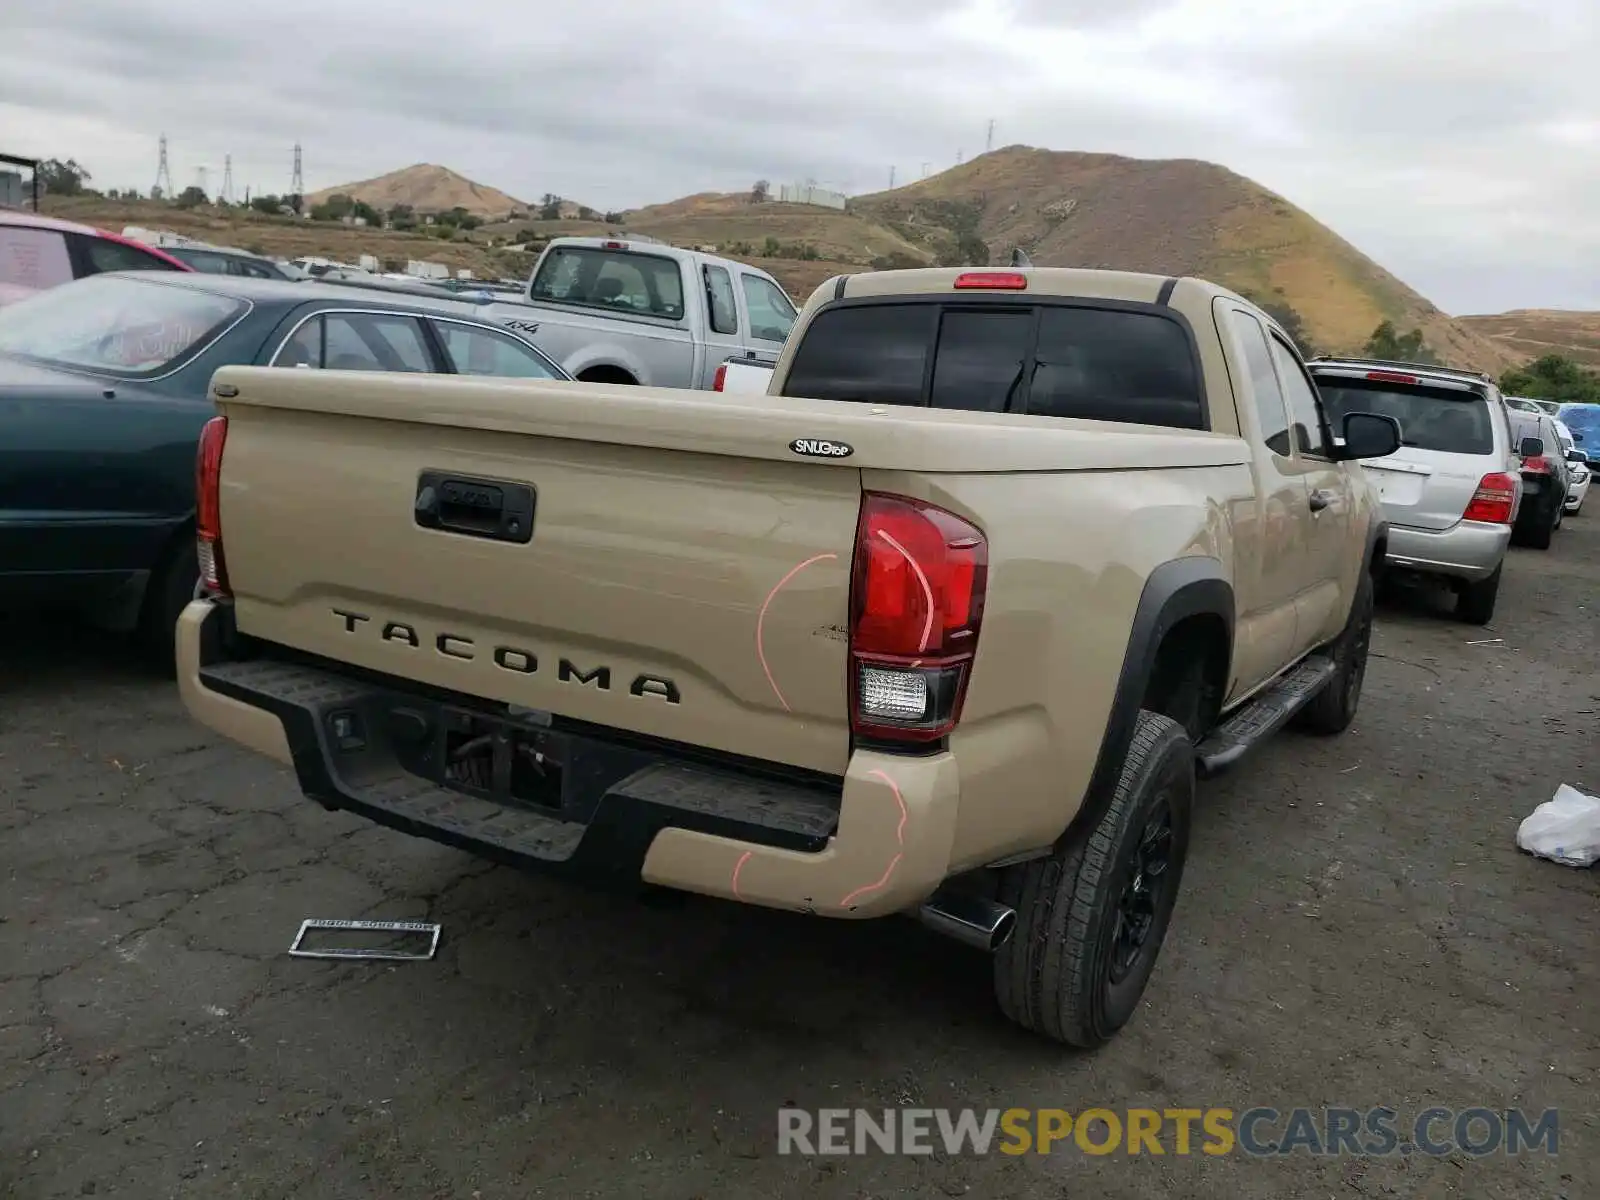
(1357, 928)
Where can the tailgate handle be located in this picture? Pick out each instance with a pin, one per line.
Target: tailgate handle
(488, 508)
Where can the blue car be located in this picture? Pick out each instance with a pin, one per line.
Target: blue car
(103, 392)
(1584, 422)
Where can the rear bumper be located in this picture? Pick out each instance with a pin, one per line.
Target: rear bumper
(876, 842)
(1470, 550)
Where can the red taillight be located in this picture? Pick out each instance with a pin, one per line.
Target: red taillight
(1493, 501)
(208, 506)
(1392, 377)
(916, 601)
(722, 378)
(1006, 280)
(1537, 463)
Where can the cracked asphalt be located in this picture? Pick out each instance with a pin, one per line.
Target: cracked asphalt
(1356, 928)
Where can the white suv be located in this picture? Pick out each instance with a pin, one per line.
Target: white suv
(1452, 492)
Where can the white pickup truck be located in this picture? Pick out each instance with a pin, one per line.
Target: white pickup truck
(639, 312)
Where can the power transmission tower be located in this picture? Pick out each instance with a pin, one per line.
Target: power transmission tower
(891, 179)
(163, 185)
(227, 179)
(925, 167)
(958, 156)
(988, 145)
(200, 181)
(297, 186)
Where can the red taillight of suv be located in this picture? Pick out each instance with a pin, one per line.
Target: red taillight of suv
(1493, 501)
(916, 602)
(208, 507)
(1537, 464)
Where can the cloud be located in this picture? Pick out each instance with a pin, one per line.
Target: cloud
(1452, 139)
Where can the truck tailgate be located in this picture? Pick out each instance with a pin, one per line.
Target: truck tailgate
(691, 596)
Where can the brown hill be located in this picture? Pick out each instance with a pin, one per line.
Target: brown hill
(427, 188)
(1172, 217)
(1534, 332)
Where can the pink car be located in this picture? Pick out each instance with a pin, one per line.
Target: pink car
(40, 252)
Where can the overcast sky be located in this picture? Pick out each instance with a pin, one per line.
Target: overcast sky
(1455, 141)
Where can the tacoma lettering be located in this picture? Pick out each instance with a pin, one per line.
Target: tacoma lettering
(515, 659)
(600, 676)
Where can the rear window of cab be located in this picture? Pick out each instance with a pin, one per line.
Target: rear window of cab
(1090, 362)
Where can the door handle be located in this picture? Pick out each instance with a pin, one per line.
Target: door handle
(485, 508)
(1322, 498)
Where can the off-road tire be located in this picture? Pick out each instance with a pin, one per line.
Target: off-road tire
(170, 589)
(1334, 707)
(1475, 601)
(1058, 973)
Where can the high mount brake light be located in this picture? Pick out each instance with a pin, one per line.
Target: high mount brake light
(1014, 281)
(208, 507)
(721, 378)
(613, 245)
(1493, 501)
(1392, 377)
(916, 603)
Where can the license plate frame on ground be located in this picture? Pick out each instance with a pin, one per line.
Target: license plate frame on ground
(428, 928)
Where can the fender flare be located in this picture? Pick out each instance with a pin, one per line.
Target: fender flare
(1181, 588)
(1377, 531)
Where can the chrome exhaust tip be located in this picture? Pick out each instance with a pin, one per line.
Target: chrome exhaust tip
(971, 920)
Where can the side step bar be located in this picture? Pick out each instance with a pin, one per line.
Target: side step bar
(1262, 717)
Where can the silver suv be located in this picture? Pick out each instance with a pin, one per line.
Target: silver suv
(1453, 490)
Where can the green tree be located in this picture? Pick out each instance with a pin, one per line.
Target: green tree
(402, 216)
(191, 197)
(970, 251)
(270, 205)
(550, 207)
(771, 248)
(1553, 377)
(1387, 342)
(63, 178)
(335, 208)
(760, 192)
(613, 218)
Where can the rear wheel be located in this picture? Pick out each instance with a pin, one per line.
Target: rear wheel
(170, 589)
(1091, 917)
(1334, 707)
(1539, 536)
(1475, 601)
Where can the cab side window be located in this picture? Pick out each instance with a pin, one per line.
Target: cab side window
(720, 302)
(1271, 412)
(1303, 405)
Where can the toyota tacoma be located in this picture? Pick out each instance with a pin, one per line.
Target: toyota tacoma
(947, 625)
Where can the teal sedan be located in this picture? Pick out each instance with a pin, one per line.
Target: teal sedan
(103, 392)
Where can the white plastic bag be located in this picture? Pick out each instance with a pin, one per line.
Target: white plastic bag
(1564, 829)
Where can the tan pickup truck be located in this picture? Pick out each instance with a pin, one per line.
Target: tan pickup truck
(946, 626)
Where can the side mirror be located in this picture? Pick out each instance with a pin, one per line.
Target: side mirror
(1530, 447)
(1577, 437)
(1576, 455)
(1367, 435)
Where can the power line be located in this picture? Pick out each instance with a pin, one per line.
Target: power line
(297, 186)
(163, 185)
